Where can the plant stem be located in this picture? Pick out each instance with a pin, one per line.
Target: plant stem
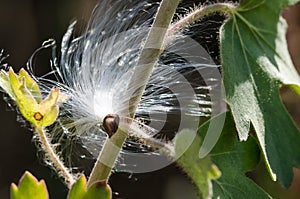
(148, 58)
(52, 156)
(153, 47)
(105, 163)
(200, 13)
(107, 157)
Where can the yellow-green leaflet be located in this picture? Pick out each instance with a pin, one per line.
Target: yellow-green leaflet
(27, 95)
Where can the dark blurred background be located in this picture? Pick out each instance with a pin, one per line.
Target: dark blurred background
(24, 25)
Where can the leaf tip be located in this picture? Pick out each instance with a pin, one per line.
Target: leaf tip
(13, 187)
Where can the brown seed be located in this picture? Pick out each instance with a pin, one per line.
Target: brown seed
(111, 124)
(38, 116)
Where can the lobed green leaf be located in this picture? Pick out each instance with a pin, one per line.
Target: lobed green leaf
(27, 95)
(29, 188)
(234, 159)
(201, 171)
(256, 64)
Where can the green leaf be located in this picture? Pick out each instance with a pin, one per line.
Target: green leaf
(78, 189)
(234, 158)
(5, 84)
(29, 188)
(201, 171)
(31, 85)
(48, 108)
(98, 190)
(256, 63)
(27, 95)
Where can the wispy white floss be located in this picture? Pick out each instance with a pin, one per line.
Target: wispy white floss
(95, 69)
